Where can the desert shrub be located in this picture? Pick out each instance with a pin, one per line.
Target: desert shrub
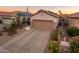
(14, 24)
(74, 45)
(28, 21)
(12, 29)
(53, 47)
(18, 21)
(72, 31)
(54, 36)
(24, 22)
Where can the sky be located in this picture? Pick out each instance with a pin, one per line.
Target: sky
(33, 9)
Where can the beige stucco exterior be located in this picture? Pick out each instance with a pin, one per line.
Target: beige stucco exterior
(44, 16)
(7, 21)
(45, 25)
(74, 22)
(44, 21)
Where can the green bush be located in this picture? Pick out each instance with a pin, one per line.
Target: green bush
(28, 21)
(74, 45)
(18, 21)
(54, 36)
(53, 47)
(14, 24)
(12, 29)
(24, 21)
(73, 31)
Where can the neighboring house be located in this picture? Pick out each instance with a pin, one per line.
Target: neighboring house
(6, 17)
(74, 20)
(45, 20)
(22, 14)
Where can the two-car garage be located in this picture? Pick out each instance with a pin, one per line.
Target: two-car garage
(43, 24)
(44, 20)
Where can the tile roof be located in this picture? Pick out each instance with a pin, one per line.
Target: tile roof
(22, 13)
(48, 12)
(5, 13)
(74, 15)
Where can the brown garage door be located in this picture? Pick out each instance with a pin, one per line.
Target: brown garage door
(43, 24)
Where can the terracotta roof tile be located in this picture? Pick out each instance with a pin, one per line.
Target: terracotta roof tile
(48, 12)
(74, 15)
(5, 13)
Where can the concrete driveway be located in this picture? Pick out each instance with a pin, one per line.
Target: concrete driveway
(31, 41)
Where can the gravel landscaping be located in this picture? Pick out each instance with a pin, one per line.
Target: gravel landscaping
(5, 38)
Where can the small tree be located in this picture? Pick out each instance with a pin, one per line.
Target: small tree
(18, 23)
(24, 22)
(12, 28)
(53, 47)
(60, 22)
(63, 22)
(74, 45)
(54, 36)
(28, 21)
(72, 31)
(14, 24)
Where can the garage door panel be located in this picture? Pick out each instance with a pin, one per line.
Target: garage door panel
(46, 25)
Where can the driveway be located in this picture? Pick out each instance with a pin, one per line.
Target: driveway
(33, 40)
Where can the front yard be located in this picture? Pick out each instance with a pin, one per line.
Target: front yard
(5, 37)
(64, 41)
(12, 30)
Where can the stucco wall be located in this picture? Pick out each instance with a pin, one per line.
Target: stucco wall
(74, 22)
(44, 16)
(45, 25)
(42, 23)
(7, 21)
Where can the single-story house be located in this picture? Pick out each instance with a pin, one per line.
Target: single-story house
(6, 17)
(45, 20)
(74, 20)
